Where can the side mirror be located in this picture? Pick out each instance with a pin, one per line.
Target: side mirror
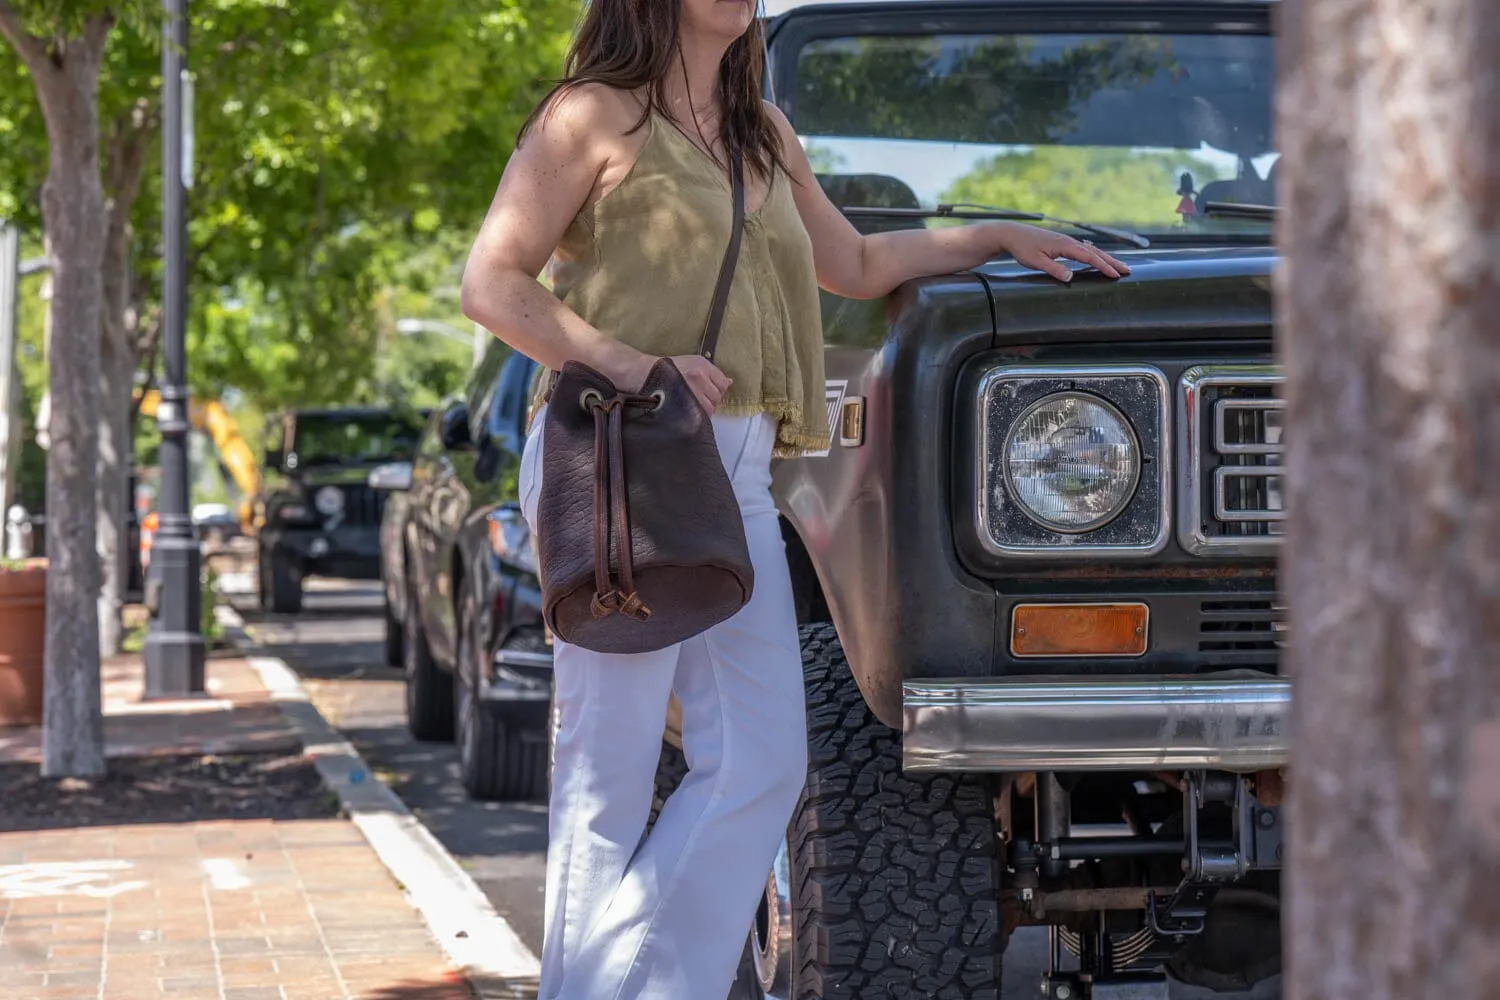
(455, 434)
(394, 477)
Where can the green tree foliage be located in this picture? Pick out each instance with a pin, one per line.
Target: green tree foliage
(340, 147)
(992, 91)
(1087, 183)
(332, 145)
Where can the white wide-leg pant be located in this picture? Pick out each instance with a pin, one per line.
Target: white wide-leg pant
(667, 920)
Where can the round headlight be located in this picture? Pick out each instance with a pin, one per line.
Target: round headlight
(329, 501)
(1072, 462)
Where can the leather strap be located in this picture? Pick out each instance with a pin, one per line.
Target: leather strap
(731, 258)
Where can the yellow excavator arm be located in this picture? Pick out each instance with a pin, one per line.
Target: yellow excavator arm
(237, 456)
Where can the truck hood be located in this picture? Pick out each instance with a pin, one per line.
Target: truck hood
(1212, 290)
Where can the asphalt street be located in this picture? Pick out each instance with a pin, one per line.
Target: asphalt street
(335, 646)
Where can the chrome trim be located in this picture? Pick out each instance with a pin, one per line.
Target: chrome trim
(1223, 406)
(1190, 534)
(1232, 721)
(1145, 644)
(522, 658)
(1224, 512)
(1163, 465)
(504, 684)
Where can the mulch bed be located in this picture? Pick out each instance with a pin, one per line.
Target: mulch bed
(166, 789)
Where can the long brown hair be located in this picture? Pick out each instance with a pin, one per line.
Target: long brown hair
(633, 45)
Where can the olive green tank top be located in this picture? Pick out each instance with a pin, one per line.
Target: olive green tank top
(641, 262)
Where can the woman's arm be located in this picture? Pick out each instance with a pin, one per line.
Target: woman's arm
(565, 155)
(867, 267)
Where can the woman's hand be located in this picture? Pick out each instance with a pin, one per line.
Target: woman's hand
(705, 379)
(1041, 248)
(702, 376)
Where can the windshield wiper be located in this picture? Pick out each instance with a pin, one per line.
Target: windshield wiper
(1240, 210)
(967, 210)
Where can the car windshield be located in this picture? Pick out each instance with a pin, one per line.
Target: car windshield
(343, 439)
(1137, 130)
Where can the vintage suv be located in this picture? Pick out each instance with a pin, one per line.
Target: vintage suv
(1036, 564)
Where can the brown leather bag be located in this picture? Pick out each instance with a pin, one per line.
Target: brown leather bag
(639, 536)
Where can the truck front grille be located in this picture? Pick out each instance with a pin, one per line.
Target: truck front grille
(1231, 419)
(1241, 633)
(363, 505)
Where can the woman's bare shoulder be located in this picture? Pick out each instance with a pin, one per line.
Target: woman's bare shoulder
(594, 110)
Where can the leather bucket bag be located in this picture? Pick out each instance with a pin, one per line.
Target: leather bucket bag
(639, 536)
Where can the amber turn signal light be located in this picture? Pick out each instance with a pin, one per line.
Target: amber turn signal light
(1078, 630)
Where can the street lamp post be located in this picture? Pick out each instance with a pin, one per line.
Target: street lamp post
(174, 650)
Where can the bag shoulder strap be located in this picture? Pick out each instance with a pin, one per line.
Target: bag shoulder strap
(731, 258)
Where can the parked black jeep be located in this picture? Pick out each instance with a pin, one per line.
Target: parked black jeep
(317, 515)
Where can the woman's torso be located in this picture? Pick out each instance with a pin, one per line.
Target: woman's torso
(639, 262)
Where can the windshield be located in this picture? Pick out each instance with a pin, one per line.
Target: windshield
(1133, 130)
(339, 439)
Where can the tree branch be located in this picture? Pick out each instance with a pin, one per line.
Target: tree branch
(96, 31)
(33, 50)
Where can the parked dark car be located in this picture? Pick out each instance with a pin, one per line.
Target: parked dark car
(317, 515)
(462, 598)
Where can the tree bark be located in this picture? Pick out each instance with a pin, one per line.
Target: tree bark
(1387, 298)
(129, 138)
(65, 72)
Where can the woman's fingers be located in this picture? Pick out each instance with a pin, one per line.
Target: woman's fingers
(1040, 261)
(1087, 253)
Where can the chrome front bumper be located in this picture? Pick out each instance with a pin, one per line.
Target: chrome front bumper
(1226, 722)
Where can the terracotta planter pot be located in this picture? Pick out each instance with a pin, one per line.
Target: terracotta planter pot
(23, 630)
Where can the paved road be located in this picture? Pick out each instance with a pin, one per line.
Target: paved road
(335, 645)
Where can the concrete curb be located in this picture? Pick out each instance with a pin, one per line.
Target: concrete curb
(476, 939)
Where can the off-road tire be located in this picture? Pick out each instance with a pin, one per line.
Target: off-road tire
(895, 877)
(429, 691)
(496, 763)
(284, 585)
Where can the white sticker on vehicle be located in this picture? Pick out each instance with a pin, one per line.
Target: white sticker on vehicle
(834, 390)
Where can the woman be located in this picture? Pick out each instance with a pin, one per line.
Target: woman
(621, 178)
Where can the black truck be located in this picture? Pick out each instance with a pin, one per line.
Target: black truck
(1036, 564)
(316, 514)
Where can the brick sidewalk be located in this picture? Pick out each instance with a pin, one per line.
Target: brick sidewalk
(239, 909)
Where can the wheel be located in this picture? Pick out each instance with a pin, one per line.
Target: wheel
(877, 856)
(262, 581)
(429, 691)
(495, 761)
(285, 578)
(395, 642)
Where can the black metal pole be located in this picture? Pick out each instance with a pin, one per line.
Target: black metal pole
(174, 651)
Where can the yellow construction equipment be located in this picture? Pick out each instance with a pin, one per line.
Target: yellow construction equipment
(237, 456)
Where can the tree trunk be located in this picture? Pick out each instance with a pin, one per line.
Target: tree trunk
(116, 447)
(130, 135)
(65, 73)
(1386, 302)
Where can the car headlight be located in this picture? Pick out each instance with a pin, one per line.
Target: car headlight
(1072, 462)
(329, 501)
